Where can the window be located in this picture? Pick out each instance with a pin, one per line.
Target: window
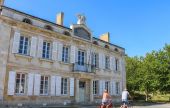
(107, 62)
(46, 50)
(48, 27)
(107, 86)
(95, 87)
(66, 33)
(65, 54)
(64, 86)
(24, 45)
(95, 60)
(117, 64)
(81, 57)
(20, 83)
(117, 88)
(44, 85)
(26, 20)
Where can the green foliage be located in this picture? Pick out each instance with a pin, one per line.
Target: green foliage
(151, 73)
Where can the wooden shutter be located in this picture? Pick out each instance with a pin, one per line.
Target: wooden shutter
(58, 85)
(111, 63)
(114, 87)
(73, 54)
(40, 47)
(33, 48)
(88, 57)
(60, 51)
(120, 65)
(104, 61)
(111, 88)
(16, 41)
(37, 79)
(100, 60)
(54, 51)
(53, 83)
(71, 86)
(101, 87)
(114, 64)
(30, 84)
(11, 83)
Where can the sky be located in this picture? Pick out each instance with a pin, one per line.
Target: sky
(139, 26)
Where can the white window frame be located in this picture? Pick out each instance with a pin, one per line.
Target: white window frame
(44, 84)
(107, 85)
(95, 87)
(81, 57)
(23, 45)
(17, 88)
(65, 54)
(117, 64)
(46, 53)
(95, 60)
(107, 62)
(64, 86)
(117, 87)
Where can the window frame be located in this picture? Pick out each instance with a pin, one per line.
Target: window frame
(117, 84)
(81, 57)
(95, 87)
(95, 60)
(66, 54)
(107, 62)
(64, 88)
(117, 64)
(43, 93)
(107, 85)
(47, 52)
(23, 45)
(20, 82)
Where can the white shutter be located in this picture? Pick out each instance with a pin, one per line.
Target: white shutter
(33, 48)
(101, 87)
(58, 85)
(114, 64)
(40, 47)
(88, 57)
(53, 82)
(73, 54)
(104, 61)
(100, 60)
(114, 87)
(54, 51)
(60, 51)
(16, 41)
(104, 85)
(111, 63)
(30, 84)
(37, 79)
(121, 87)
(11, 83)
(111, 88)
(120, 65)
(71, 86)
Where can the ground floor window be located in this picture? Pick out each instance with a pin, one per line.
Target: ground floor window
(117, 88)
(95, 87)
(44, 85)
(64, 86)
(107, 86)
(20, 83)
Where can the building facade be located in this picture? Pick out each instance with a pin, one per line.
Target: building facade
(42, 61)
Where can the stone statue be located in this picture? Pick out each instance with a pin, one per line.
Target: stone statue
(81, 19)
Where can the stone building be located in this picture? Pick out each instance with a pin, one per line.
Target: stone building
(42, 61)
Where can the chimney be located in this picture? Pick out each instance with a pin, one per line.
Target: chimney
(60, 18)
(1, 2)
(105, 37)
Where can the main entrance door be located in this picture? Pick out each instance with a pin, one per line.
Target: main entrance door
(82, 91)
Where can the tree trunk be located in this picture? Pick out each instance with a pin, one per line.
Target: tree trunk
(146, 96)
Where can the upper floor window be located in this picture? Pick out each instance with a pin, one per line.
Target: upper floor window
(81, 57)
(24, 45)
(107, 86)
(46, 50)
(26, 20)
(66, 33)
(107, 62)
(95, 87)
(106, 46)
(65, 54)
(64, 86)
(44, 85)
(83, 33)
(95, 60)
(48, 27)
(95, 42)
(117, 64)
(20, 83)
(117, 88)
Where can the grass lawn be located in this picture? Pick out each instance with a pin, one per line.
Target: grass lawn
(161, 98)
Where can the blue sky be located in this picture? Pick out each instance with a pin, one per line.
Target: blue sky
(139, 26)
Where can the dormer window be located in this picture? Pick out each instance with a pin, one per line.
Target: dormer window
(106, 46)
(82, 33)
(116, 50)
(26, 20)
(95, 42)
(67, 33)
(48, 27)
